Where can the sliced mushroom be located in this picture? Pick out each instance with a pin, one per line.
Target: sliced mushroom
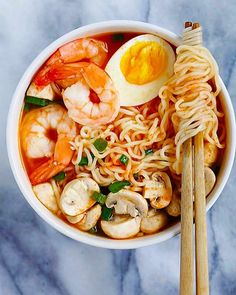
(158, 190)
(45, 193)
(210, 153)
(210, 180)
(174, 208)
(75, 219)
(127, 202)
(121, 227)
(90, 219)
(154, 221)
(42, 92)
(76, 197)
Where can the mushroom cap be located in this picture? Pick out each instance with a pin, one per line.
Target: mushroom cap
(158, 190)
(174, 208)
(75, 219)
(210, 180)
(45, 193)
(210, 153)
(90, 219)
(154, 221)
(127, 202)
(76, 197)
(121, 227)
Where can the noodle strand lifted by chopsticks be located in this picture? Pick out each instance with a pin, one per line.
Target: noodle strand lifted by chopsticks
(189, 97)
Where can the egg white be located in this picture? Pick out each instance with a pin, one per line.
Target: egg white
(133, 94)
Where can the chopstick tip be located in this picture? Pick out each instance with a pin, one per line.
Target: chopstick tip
(187, 24)
(195, 26)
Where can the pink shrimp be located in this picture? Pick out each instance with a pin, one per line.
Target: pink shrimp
(86, 48)
(90, 96)
(36, 144)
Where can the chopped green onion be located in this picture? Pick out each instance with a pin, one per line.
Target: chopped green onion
(124, 159)
(117, 186)
(37, 101)
(60, 176)
(106, 213)
(99, 197)
(83, 161)
(118, 37)
(92, 155)
(135, 176)
(26, 107)
(93, 230)
(100, 144)
(149, 152)
(104, 190)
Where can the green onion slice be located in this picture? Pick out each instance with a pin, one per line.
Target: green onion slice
(104, 190)
(99, 197)
(118, 185)
(100, 144)
(149, 152)
(60, 176)
(26, 107)
(37, 101)
(106, 213)
(124, 159)
(83, 161)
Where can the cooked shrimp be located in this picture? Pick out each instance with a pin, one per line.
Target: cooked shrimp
(86, 48)
(66, 75)
(36, 142)
(92, 100)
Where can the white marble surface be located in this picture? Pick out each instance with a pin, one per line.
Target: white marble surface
(34, 258)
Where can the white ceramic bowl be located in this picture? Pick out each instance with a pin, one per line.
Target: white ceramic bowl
(13, 140)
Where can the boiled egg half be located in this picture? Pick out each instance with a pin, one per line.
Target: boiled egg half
(140, 67)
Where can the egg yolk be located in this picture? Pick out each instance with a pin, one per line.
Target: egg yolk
(143, 62)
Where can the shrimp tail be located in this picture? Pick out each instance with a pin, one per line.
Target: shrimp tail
(60, 160)
(41, 79)
(61, 72)
(46, 171)
(75, 51)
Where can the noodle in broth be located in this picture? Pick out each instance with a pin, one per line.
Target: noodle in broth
(132, 133)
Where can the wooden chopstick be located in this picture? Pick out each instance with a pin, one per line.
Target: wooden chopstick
(201, 256)
(201, 252)
(186, 260)
(186, 257)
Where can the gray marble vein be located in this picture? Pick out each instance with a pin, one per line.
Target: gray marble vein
(34, 258)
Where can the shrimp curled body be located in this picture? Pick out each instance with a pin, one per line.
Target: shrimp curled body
(91, 99)
(36, 143)
(86, 48)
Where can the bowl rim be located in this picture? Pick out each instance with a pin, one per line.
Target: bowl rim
(13, 144)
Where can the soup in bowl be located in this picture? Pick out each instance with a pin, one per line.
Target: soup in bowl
(95, 134)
